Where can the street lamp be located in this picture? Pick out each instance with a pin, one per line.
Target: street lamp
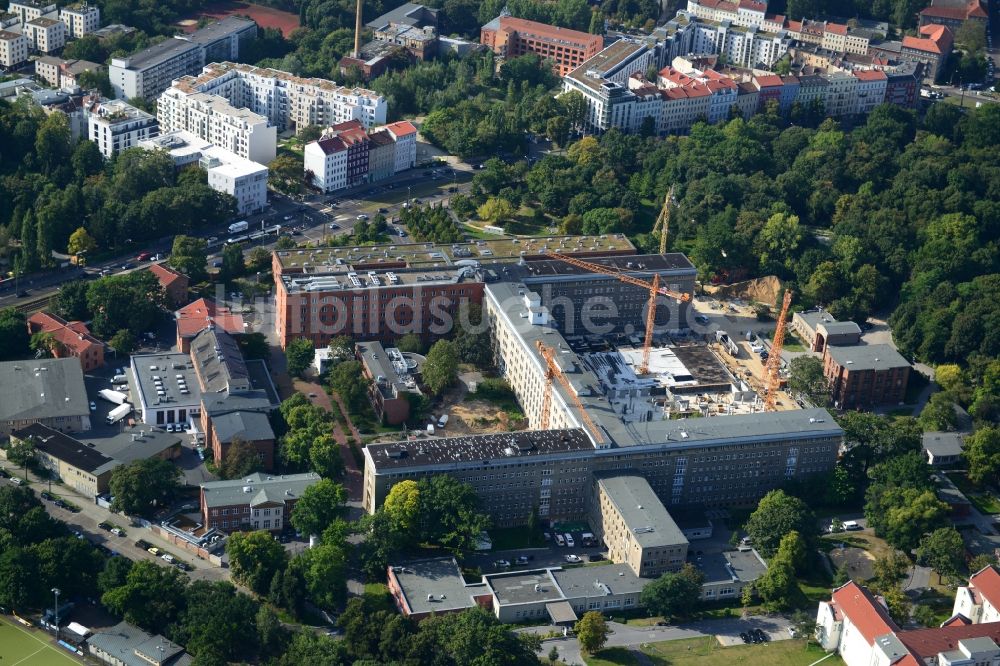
(55, 611)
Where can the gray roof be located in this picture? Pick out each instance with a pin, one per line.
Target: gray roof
(378, 362)
(524, 587)
(260, 380)
(593, 72)
(219, 362)
(248, 426)
(143, 385)
(944, 443)
(158, 53)
(39, 389)
(644, 514)
(246, 401)
(248, 490)
(732, 566)
(126, 643)
(588, 581)
(221, 29)
(841, 328)
(410, 13)
(867, 357)
(134, 444)
(63, 447)
(440, 577)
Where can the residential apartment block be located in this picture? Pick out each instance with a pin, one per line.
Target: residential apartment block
(258, 502)
(114, 126)
(511, 37)
(60, 73)
(149, 72)
(242, 179)
(13, 49)
(28, 10)
(71, 339)
(212, 118)
(45, 35)
(346, 155)
(979, 601)
(288, 102)
(80, 18)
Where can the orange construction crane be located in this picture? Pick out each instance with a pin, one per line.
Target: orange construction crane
(772, 379)
(552, 370)
(654, 290)
(663, 220)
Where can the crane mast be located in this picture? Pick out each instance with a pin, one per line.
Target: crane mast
(552, 370)
(771, 372)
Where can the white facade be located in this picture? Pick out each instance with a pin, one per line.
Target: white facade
(80, 19)
(980, 600)
(13, 49)
(288, 101)
(405, 136)
(213, 118)
(45, 35)
(870, 90)
(327, 160)
(27, 10)
(115, 126)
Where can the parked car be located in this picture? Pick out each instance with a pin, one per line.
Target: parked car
(595, 557)
(745, 637)
(560, 541)
(93, 406)
(523, 559)
(573, 559)
(569, 540)
(502, 564)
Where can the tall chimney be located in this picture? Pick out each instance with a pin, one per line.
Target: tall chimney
(357, 32)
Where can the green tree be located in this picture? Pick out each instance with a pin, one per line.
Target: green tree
(321, 504)
(80, 242)
(241, 460)
(441, 368)
(310, 133)
(141, 486)
(254, 558)
(285, 174)
(889, 569)
(944, 551)
(411, 343)
(190, 257)
(114, 574)
(449, 513)
(133, 301)
(792, 549)
(897, 603)
(806, 377)
(982, 454)
(777, 587)
(152, 596)
(20, 587)
(232, 263)
(903, 515)
(324, 456)
(13, 334)
(325, 566)
(53, 142)
(71, 302)
(348, 381)
(592, 631)
(939, 413)
(299, 356)
(96, 79)
(123, 341)
(776, 515)
(496, 211)
(971, 35)
(214, 623)
(674, 595)
(981, 561)
(402, 506)
(22, 452)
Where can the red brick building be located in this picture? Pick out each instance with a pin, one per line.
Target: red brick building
(258, 502)
(71, 339)
(198, 315)
(388, 391)
(175, 285)
(511, 37)
(865, 375)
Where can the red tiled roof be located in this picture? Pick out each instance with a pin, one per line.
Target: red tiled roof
(331, 144)
(972, 10)
(987, 584)
(401, 128)
(768, 80)
(381, 137)
(72, 335)
(926, 643)
(347, 125)
(753, 5)
(195, 317)
(870, 75)
(165, 274)
(864, 611)
(723, 5)
(795, 26)
(957, 621)
(937, 39)
(775, 18)
(836, 28)
(352, 136)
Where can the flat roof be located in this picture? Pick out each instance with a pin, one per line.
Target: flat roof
(257, 488)
(340, 278)
(507, 446)
(447, 254)
(44, 388)
(132, 444)
(597, 581)
(732, 566)
(156, 54)
(441, 579)
(524, 587)
(383, 363)
(592, 72)
(638, 265)
(221, 29)
(867, 357)
(643, 512)
(169, 391)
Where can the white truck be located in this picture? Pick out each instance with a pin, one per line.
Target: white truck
(118, 413)
(237, 227)
(115, 397)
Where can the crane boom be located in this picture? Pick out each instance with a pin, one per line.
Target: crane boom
(771, 376)
(552, 370)
(663, 220)
(597, 268)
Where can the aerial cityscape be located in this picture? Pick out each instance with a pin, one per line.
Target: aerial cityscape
(499, 332)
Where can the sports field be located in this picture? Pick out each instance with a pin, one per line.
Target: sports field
(21, 647)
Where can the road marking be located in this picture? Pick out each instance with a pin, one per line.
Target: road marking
(43, 643)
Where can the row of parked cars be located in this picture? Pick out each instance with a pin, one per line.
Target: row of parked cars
(755, 636)
(166, 557)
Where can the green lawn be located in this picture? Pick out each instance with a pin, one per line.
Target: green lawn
(985, 501)
(707, 651)
(28, 648)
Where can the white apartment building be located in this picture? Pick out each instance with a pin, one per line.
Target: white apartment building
(405, 135)
(244, 180)
(841, 94)
(60, 73)
(603, 82)
(326, 159)
(979, 601)
(212, 117)
(13, 49)
(870, 89)
(80, 18)
(288, 101)
(27, 10)
(114, 126)
(45, 35)
(149, 72)
(739, 45)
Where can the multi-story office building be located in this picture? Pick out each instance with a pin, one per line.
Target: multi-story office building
(865, 375)
(243, 179)
(385, 291)
(511, 37)
(13, 49)
(287, 101)
(80, 18)
(114, 126)
(27, 10)
(603, 82)
(45, 35)
(213, 118)
(149, 72)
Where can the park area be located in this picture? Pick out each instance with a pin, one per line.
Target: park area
(24, 648)
(266, 17)
(707, 651)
